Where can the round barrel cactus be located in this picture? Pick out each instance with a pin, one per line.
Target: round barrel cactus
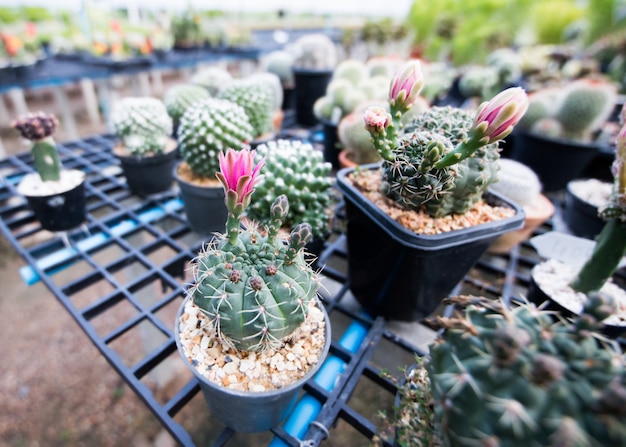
(178, 98)
(142, 124)
(256, 98)
(208, 127)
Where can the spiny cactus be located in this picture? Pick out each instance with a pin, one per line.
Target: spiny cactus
(179, 97)
(446, 158)
(356, 140)
(298, 171)
(142, 124)
(209, 127)
(39, 128)
(517, 182)
(273, 82)
(315, 51)
(256, 98)
(518, 376)
(280, 63)
(214, 79)
(255, 288)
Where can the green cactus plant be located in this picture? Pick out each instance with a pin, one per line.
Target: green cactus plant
(573, 112)
(315, 51)
(357, 141)
(280, 63)
(517, 182)
(209, 127)
(255, 288)
(39, 129)
(445, 159)
(298, 171)
(212, 78)
(518, 377)
(256, 98)
(178, 98)
(273, 82)
(142, 124)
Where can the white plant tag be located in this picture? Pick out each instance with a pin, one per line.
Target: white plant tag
(571, 250)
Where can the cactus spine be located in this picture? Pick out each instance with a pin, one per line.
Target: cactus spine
(39, 128)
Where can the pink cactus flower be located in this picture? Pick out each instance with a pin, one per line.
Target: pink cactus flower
(406, 86)
(496, 119)
(238, 173)
(376, 119)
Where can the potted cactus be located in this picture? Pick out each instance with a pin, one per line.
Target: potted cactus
(515, 376)
(273, 82)
(178, 98)
(356, 142)
(56, 195)
(518, 183)
(252, 329)
(280, 63)
(556, 136)
(212, 78)
(425, 207)
(146, 150)
(256, 97)
(583, 198)
(315, 57)
(298, 171)
(208, 127)
(569, 287)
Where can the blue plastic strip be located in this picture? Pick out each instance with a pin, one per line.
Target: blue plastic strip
(308, 407)
(64, 256)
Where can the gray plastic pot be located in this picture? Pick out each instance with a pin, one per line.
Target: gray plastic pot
(251, 412)
(204, 206)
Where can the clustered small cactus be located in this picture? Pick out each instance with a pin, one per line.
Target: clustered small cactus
(299, 172)
(255, 288)
(519, 377)
(142, 124)
(209, 127)
(446, 158)
(39, 128)
(256, 98)
(573, 112)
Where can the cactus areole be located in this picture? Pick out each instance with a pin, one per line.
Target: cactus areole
(254, 286)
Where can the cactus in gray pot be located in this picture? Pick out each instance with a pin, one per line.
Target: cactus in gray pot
(446, 158)
(255, 288)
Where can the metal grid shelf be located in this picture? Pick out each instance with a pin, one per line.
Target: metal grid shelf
(122, 277)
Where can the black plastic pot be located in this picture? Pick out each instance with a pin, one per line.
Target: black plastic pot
(555, 161)
(148, 175)
(331, 143)
(309, 86)
(204, 206)
(537, 295)
(581, 217)
(402, 275)
(288, 98)
(60, 212)
(252, 412)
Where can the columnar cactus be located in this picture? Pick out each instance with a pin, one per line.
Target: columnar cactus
(142, 124)
(256, 99)
(518, 377)
(209, 127)
(39, 128)
(298, 171)
(178, 98)
(255, 288)
(446, 158)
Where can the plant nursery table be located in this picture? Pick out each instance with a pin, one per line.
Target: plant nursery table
(122, 277)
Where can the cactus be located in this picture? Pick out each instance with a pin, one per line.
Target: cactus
(39, 128)
(356, 140)
(256, 98)
(255, 288)
(517, 182)
(142, 124)
(209, 127)
(273, 82)
(573, 112)
(280, 63)
(478, 81)
(179, 97)
(298, 171)
(214, 79)
(519, 377)
(446, 158)
(315, 52)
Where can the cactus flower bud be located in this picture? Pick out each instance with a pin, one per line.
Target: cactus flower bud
(495, 119)
(238, 175)
(405, 87)
(376, 120)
